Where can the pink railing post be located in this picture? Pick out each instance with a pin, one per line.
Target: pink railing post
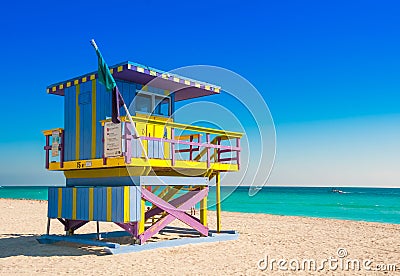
(208, 149)
(172, 147)
(238, 152)
(191, 148)
(128, 145)
(219, 149)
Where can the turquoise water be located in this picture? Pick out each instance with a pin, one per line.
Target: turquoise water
(366, 204)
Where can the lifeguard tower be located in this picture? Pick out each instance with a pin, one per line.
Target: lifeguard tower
(141, 183)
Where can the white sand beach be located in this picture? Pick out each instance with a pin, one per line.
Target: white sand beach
(261, 235)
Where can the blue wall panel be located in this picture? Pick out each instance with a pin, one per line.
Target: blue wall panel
(82, 204)
(66, 203)
(96, 211)
(85, 106)
(69, 123)
(99, 203)
(103, 111)
(135, 197)
(51, 210)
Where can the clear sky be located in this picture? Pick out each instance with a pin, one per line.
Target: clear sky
(328, 70)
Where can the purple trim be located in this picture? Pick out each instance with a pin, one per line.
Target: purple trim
(130, 227)
(188, 150)
(72, 225)
(47, 149)
(62, 221)
(224, 150)
(227, 159)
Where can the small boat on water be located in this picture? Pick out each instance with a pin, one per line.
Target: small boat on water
(337, 191)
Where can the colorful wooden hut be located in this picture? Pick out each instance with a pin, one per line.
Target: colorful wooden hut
(106, 166)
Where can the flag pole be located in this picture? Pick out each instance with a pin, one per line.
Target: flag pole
(136, 134)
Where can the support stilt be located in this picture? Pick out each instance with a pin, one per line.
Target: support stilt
(203, 211)
(98, 230)
(48, 226)
(143, 216)
(175, 209)
(218, 200)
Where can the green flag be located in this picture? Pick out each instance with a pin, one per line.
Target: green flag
(105, 76)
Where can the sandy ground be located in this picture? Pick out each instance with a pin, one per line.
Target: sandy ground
(293, 239)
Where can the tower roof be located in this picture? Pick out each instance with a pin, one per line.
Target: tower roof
(184, 88)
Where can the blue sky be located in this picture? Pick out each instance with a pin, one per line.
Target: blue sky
(329, 71)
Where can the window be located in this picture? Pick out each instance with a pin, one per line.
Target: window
(162, 106)
(155, 104)
(143, 103)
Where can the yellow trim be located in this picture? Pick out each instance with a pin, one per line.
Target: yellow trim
(187, 82)
(112, 70)
(166, 92)
(84, 79)
(119, 69)
(50, 131)
(127, 215)
(68, 84)
(94, 119)
(218, 200)
(197, 85)
(140, 69)
(61, 86)
(164, 76)
(109, 203)
(207, 87)
(112, 172)
(47, 90)
(142, 216)
(216, 90)
(203, 211)
(137, 164)
(92, 77)
(76, 82)
(187, 137)
(223, 133)
(153, 73)
(91, 205)
(73, 203)
(54, 88)
(77, 122)
(176, 79)
(59, 202)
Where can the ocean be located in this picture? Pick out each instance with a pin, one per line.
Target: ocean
(361, 204)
